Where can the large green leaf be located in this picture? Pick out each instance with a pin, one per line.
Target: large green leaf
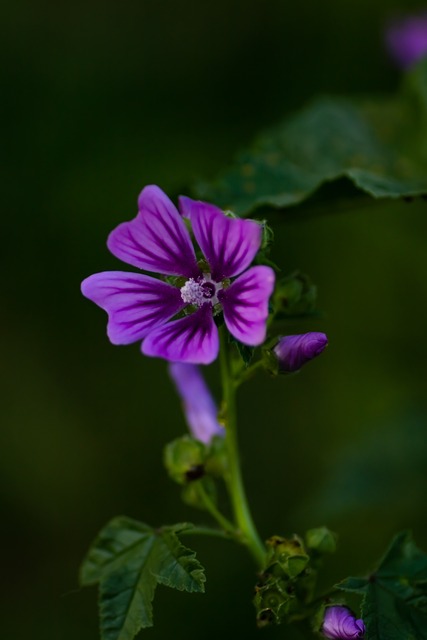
(394, 603)
(333, 150)
(128, 559)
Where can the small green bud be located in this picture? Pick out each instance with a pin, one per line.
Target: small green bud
(289, 554)
(184, 459)
(295, 295)
(321, 540)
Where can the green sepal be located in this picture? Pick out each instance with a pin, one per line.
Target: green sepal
(193, 493)
(394, 605)
(270, 360)
(246, 353)
(321, 540)
(184, 459)
(267, 236)
(295, 296)
(129, 559)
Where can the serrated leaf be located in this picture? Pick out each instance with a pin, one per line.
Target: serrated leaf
(176, 566)
(129, 559)
(394, 606)
(339, 146)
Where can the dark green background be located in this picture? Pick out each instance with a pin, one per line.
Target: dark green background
(100, 99)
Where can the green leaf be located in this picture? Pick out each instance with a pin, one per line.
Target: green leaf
(128, 559)
(331, 151)
(394, 605)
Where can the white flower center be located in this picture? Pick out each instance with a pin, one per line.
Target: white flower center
(202, 290)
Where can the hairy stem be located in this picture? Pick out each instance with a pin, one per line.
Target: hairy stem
(215, 513)
(242, 514)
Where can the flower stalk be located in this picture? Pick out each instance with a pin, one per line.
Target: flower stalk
(210, 506)
(242, 514)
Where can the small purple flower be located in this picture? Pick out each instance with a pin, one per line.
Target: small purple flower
(199, 406)
(406, 40)
(141, 307)
(294, 351)
(339, 623)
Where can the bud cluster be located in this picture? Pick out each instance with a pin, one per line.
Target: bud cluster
(287, 583)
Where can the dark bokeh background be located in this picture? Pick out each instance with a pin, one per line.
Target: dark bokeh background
(100, 99)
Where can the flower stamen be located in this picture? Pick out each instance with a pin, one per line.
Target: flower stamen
(199, 291)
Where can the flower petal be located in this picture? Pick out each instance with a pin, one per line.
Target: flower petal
(339, 623)
(135, 303)
(157, 239)
(229, 244)
(193, 339)
(199, 406)
(245, 305)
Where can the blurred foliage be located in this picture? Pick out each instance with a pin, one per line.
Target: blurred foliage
(100, 99)
(378, 146)
(394, 604)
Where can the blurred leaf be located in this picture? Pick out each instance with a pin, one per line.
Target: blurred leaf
(372, 147)
(381, 471)
(394, 606)
(129, 559)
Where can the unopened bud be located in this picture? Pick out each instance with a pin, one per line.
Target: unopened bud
(292, 352)
(321, 540)
(184, 459)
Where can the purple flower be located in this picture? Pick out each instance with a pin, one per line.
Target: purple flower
(141, 307)
(199, 406)
(294, 351)
(406, 40)
(340, 624)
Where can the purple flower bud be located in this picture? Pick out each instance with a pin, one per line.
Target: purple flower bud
(406, 40)
(199, 406)
(340, 624)
(294, 351)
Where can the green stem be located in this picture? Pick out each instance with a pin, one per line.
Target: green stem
(215, 513)
(246, 374)
(207, 531)
(245, 523)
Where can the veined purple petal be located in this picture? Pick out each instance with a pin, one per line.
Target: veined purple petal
(199, 406)
(193, 339)
(339, 623)
(135, 303)
(228, 244)
(157, 239)
(245, 305)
